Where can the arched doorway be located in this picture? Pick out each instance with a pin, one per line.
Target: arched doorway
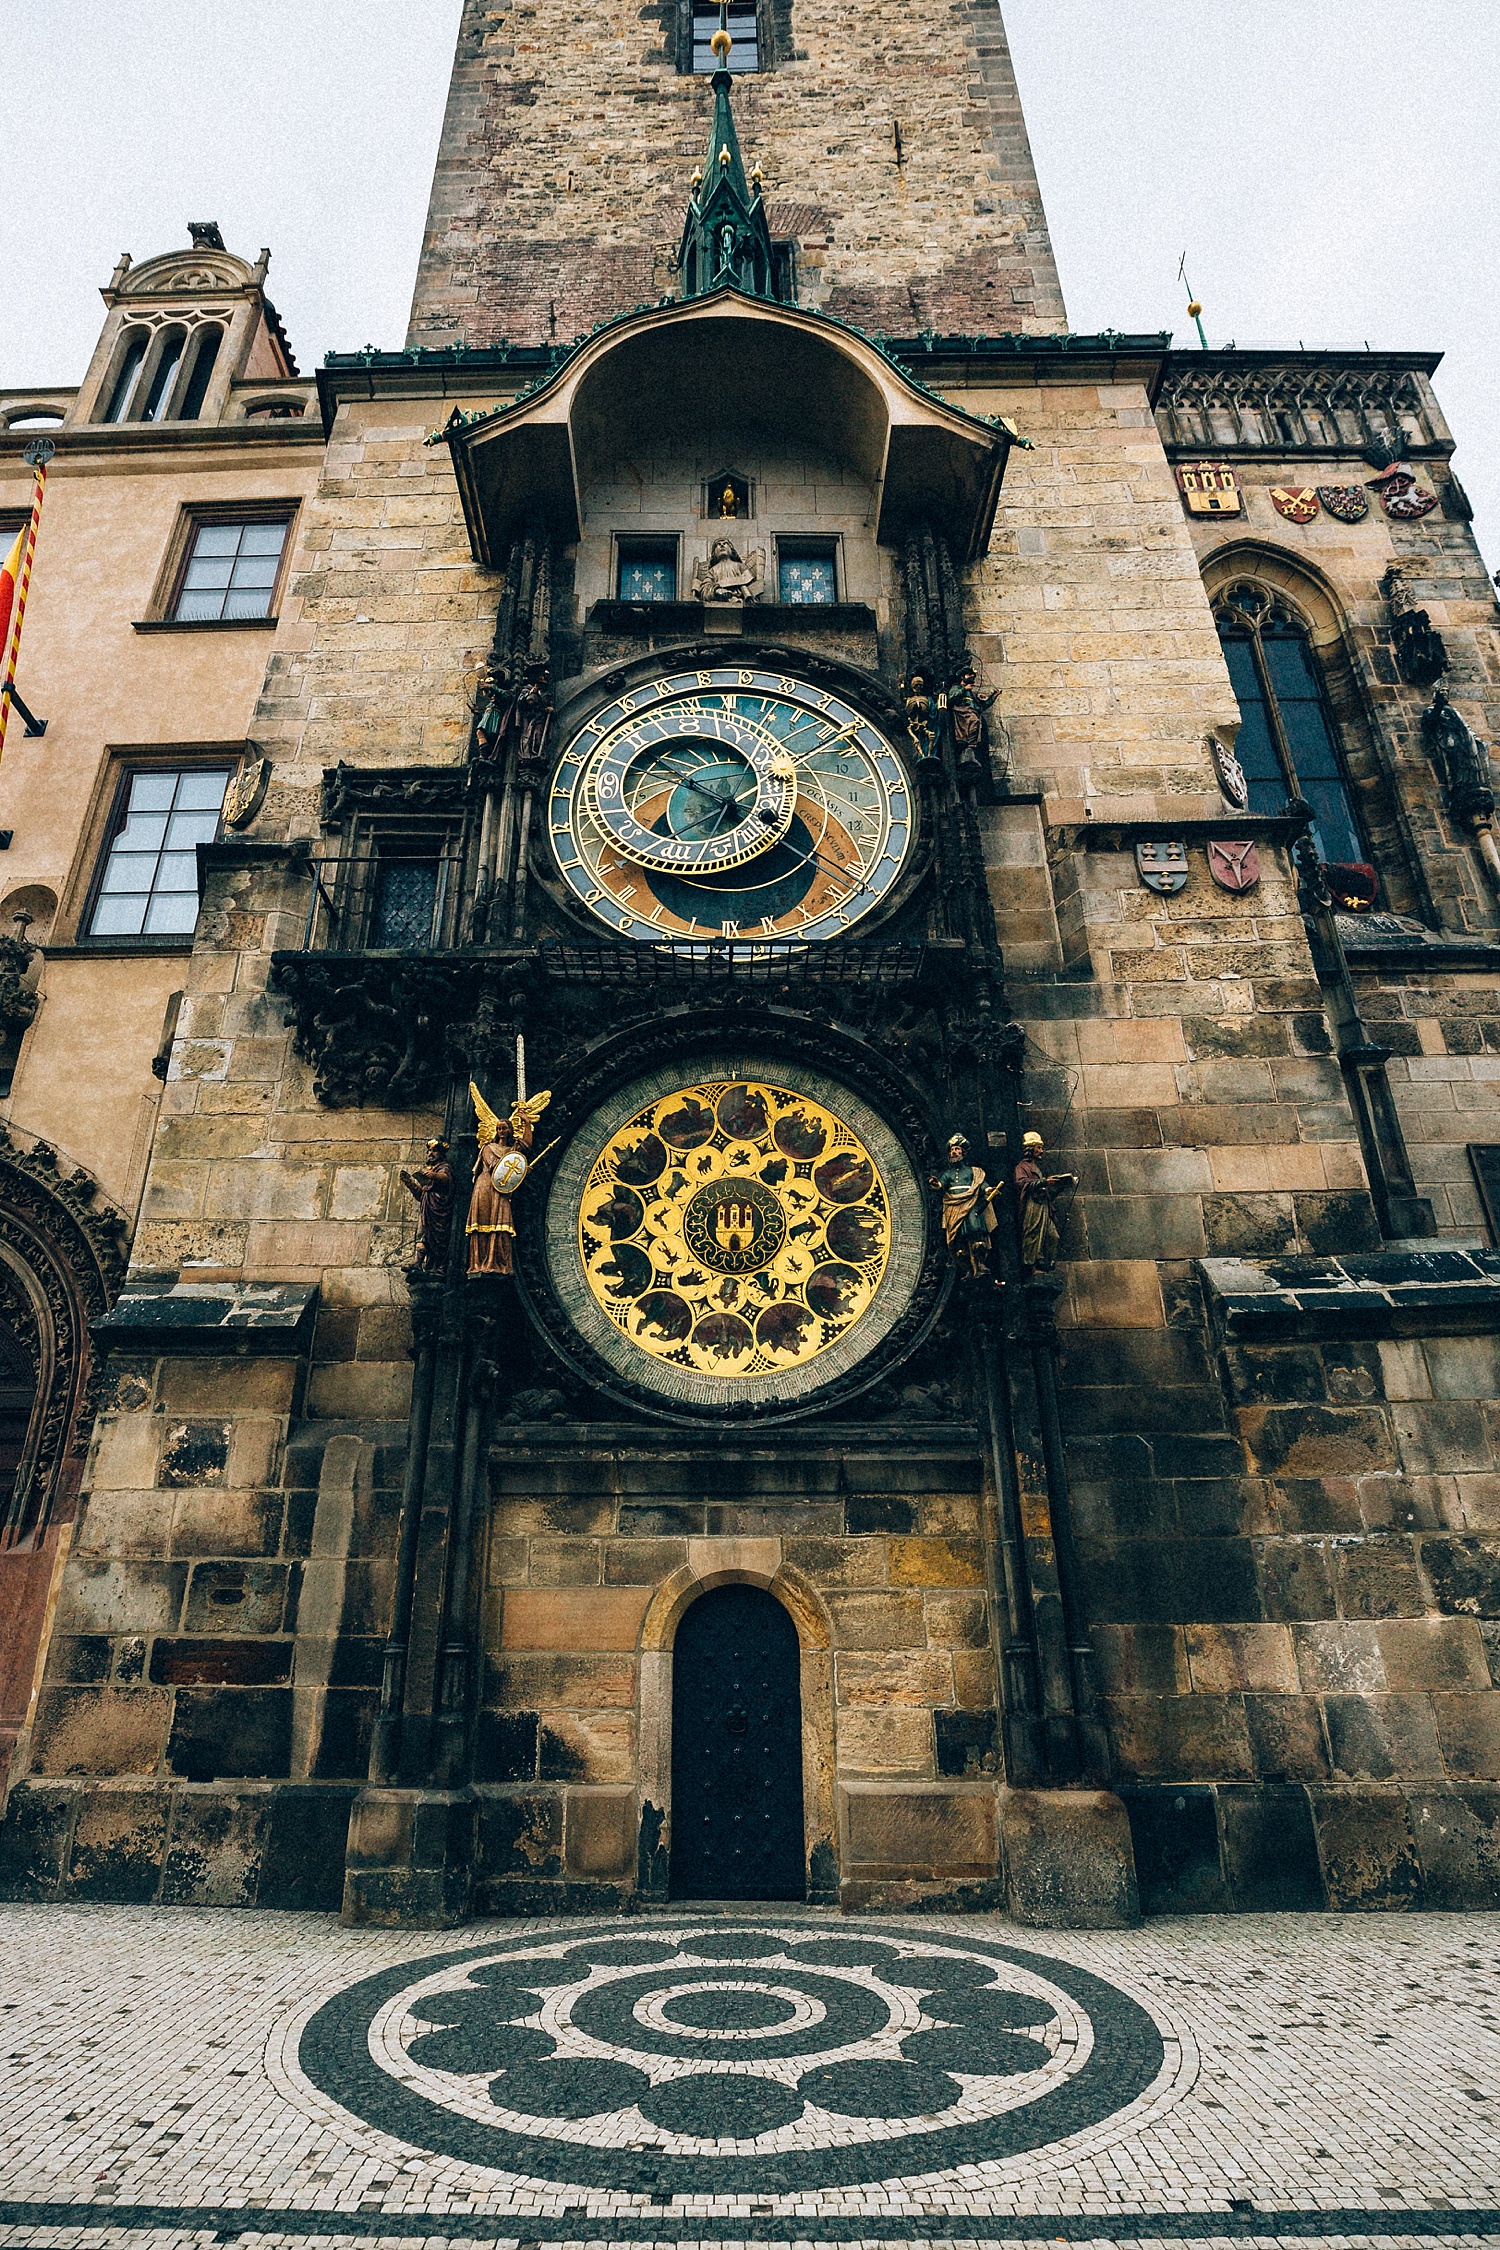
(737, 1749)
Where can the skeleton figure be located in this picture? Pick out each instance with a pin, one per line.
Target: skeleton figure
(724, 578)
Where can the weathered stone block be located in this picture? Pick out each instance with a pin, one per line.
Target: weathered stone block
(1270, 1851)
(217, 1843)
(586, 1747)
(877, 1620)
(906, 1676)
(1457, 1834)
(100, 1730)
(1175, 1837)
(1382, 1737)
(1367, 1850)
(1068, 1858)
(919, 1833)
(599, 1832)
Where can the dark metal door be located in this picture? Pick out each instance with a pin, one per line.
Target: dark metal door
(737, 1750)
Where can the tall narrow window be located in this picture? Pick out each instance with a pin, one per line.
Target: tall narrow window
(205, 355)
(231, 571)
(149, 885)
(130, 367)
(1286, 742)
(744, 30)
(169, 359)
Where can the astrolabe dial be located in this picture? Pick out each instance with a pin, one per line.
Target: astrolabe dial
(734, 1228)
(730, 804)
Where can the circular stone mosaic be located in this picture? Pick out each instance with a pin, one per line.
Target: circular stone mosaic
(752, 1230)
(733, 2058)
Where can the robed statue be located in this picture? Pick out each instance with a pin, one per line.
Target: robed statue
(968, 1212)
(1043, 1197)
(725, 578)
(434, 1187)
(500, 1168)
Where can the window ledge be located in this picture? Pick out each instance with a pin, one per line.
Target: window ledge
(205, 624)
(95, 947)
(656, 618)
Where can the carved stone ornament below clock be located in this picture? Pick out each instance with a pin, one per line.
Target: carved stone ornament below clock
(1162, 867)
(752, 1232)
(1230, 774)
(1234, 867)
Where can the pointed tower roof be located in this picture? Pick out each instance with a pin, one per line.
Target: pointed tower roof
(725, 237)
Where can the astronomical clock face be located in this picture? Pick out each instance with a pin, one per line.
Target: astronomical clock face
(730, 804)
(750, 1232)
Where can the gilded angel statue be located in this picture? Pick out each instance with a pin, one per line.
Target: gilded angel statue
(500, 1168)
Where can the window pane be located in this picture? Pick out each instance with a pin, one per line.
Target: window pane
(152, 792)
(118, 917)
(1334, 831)
(217, 538)
(209, 570)
(129, 871)
(643, 579)
(141, 831)
(206, 788)
(263, 539)
(405, 901)
(255, 570)
(806, 578)
(1256, 748)
(173, 914)
(178, 871)
(1289, 664)
(192, 608)
(249, 601)
(185, 829)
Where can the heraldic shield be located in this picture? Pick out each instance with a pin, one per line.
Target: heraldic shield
(1162, 867)
(1297, 502)
(1234, 867)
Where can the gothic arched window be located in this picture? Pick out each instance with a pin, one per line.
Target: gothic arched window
(1287, 744)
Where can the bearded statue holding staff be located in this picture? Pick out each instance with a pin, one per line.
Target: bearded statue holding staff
(501, 1167)
(968, 1212)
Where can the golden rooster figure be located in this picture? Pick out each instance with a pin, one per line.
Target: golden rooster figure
(500, 1168)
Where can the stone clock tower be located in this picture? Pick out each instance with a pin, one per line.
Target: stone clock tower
(846, 1405)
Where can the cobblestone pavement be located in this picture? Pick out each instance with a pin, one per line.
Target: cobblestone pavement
(182, 2077)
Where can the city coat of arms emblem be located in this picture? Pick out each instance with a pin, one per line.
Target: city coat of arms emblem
(1234, 867)
(1297, 502)
(1162, 867)
(1210, 488)
(1347, 503)
(1401, 496)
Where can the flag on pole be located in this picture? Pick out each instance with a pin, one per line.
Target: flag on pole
(10, 579)
(17, 577)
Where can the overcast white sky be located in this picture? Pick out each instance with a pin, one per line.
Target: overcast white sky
(1330, 166)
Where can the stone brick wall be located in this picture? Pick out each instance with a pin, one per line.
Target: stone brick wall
(896, 156)
(879, 1554)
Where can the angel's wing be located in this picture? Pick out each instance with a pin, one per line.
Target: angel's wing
(529, 1112)
(486, 1117)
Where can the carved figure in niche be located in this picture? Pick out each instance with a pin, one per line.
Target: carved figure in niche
(433, 1186)
(493, 705)
(531, 716)
(1462, 761)
(1043, 1197)
(729, 504)
(968, 1212)
(724, 578)
(501, 1167)
(1421, 657)
(919, 715)
(968, 709)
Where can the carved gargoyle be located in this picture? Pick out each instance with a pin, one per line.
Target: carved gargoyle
(18, 1002)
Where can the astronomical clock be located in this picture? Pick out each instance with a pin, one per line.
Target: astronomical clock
(742, 1230)
(730, 803)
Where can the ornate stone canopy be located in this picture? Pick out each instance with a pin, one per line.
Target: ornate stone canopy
(796, 373)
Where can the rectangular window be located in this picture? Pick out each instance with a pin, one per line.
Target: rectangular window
(807, 570)
(231, 571)
(743, 28)
(647, 570)
(406, 902)
(149, 886)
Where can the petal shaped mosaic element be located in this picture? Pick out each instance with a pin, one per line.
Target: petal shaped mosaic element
(880, 2089)
(618, 1953)
(989, 2011)
(570, 2086)
(733, 1945)
(721, 2106)
(848, 1953)
(478, 2047)
(987, 2054)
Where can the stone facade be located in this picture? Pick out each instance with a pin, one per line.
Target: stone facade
(1163, 1580)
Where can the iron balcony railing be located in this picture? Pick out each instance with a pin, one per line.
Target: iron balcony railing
(385, 902)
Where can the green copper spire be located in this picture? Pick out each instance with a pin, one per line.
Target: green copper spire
(725, 238)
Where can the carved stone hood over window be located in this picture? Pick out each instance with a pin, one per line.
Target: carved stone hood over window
(793, 372)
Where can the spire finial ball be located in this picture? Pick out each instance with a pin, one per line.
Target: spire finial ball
(721, 44)
(1194, 309)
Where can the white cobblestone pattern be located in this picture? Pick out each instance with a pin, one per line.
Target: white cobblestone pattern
(1308, 2067)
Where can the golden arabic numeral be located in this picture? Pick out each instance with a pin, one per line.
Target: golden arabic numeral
(660, 687)
(747, 679)
(628, 702)
(705, 679)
